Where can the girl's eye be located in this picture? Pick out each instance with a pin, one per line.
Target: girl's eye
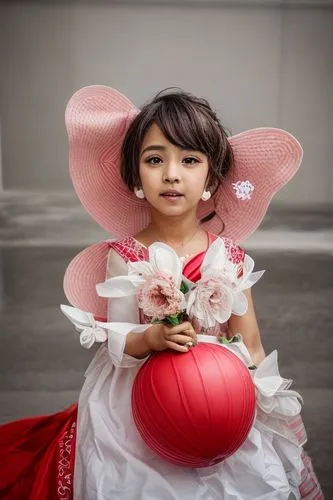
(153, 160)
(189, 160)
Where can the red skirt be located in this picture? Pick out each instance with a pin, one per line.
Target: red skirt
(38, 453)
(37, 457)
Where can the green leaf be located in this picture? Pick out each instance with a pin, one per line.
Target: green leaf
(183, 287)
(173, 319)
(224, 340)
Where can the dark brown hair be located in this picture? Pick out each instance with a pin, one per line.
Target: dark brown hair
(187, 122)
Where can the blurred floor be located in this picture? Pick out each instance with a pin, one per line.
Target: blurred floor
(42, 364)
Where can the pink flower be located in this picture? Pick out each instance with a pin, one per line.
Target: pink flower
(211, 301)
(159, 297)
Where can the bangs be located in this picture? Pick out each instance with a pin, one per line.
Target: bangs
(183, 125)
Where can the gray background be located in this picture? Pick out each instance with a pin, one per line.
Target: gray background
(259, 63)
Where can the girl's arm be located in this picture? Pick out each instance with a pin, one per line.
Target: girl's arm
(247, 326)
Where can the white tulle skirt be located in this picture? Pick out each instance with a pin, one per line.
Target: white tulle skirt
(112, 462)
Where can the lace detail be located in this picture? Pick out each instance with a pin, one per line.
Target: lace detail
(235, 253)
(129, 249)
(64, 467)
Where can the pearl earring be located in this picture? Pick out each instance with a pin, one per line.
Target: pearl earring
(139, 193)
(206, 195)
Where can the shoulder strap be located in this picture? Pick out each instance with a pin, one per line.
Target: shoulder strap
(129, 249)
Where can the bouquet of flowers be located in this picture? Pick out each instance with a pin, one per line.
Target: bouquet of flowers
(158, 284)
(165, 295)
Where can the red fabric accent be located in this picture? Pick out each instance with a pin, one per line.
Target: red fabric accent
(192, 267)
(310, 488)
(37, 457)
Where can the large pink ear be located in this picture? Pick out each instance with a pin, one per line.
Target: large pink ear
(94, 111)
(81, 277)
(266, 158)
(97, 119)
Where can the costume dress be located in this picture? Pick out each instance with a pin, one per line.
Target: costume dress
(94, 451)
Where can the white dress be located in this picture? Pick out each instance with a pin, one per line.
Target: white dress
(113, 463)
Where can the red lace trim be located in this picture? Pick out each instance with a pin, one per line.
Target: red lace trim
(235, 253)
(129, 249)
(65, 464)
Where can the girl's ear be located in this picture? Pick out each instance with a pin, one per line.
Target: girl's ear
(212, 185)
(139, 193)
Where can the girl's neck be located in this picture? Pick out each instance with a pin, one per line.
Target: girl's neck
(184, 233)
(174, 231)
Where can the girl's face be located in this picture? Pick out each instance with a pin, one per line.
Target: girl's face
(165, 168)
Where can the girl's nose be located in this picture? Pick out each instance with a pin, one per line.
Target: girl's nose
(171, 173)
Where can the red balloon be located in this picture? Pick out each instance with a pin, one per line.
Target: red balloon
(194, 409)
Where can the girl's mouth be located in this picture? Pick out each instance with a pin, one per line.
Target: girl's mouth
(172, 196)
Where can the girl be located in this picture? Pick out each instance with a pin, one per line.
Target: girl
(167, 173)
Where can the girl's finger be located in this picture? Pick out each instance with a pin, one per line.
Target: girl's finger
(186, 333)
(184, 329)
(176, 347)
(180, 339)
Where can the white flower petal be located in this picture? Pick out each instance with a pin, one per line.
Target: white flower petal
(240, 304)
(164, 259)
(198, 311)
(215, 258)
(190, 297)
(140, 267)
(252, 280)
(209, 320)
(248, 264)
(248, 267)
(120, 286)
(223, 313)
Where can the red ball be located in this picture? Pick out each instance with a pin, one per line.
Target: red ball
(194, 409)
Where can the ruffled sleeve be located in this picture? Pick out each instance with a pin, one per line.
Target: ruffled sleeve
(125, 311)
(123, 318)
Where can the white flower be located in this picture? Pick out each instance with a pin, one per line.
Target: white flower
(219, 293)
(162, 259)
(243, 189)
(211, 301)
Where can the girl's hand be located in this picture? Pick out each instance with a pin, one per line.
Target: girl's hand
(160, 337)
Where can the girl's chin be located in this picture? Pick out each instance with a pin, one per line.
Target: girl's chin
(170, 211)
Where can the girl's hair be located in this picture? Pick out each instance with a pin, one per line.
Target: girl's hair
(187, 122)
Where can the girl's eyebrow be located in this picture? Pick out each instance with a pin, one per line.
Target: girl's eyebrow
(154, 147)
(159, 147)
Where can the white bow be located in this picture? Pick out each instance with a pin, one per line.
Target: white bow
(91, 331)
(273, 394)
